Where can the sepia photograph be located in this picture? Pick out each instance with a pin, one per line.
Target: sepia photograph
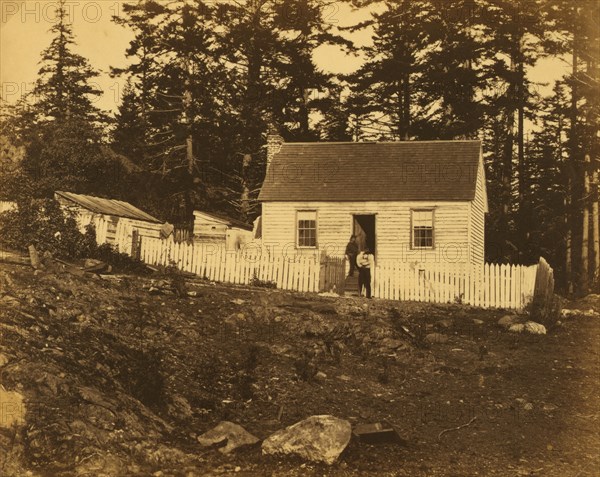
(278, 238)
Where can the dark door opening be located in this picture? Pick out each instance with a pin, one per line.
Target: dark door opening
(364, 229)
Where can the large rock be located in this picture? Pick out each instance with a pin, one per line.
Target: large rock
(12, 410)
(318, 438)
(233, 434)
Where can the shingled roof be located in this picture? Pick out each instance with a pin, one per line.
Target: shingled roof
(373, 171)
(114, 207)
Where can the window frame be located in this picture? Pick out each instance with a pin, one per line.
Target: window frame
(297, 230)
(412, 228)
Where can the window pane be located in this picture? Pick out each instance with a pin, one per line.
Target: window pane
(307, 228)
(422, 222)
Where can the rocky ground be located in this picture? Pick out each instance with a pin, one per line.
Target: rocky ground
(120, 376)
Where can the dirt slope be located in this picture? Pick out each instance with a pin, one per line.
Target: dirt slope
(118, 378)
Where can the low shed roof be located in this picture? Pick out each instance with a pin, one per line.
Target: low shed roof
(224, 220)
(373, 171)
(114, 207)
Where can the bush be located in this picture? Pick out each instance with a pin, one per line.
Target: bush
(121, 262)
(42, 223)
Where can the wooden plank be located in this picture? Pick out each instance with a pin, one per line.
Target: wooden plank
(507, 296)
(291, 274)
(496, 295)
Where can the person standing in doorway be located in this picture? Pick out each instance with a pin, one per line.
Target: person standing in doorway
(365, 262)
(351, 253)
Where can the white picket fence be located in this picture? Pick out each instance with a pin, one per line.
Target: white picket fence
(242, 267)
(486, 285)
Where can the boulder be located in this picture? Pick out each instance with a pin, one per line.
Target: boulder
(318, 438)
(233, 435)
(13, 408)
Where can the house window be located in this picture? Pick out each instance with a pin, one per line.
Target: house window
(422, 228)
(307, 228)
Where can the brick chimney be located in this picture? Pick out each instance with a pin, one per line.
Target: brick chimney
(274, 143)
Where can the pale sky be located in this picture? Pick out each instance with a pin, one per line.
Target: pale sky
(24, 34)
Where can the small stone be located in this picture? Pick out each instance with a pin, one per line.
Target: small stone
(549, 407)
(445, 323)
(535, 328)
(436, 338)
(528, 406)
(391, 343)
(3, 359)
(343, 377)
(321, 375)
(477, 322)
(507, 320)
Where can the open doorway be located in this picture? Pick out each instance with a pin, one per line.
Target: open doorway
(363, 226)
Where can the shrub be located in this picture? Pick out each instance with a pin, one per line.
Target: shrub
(42, 223)
(121, 262)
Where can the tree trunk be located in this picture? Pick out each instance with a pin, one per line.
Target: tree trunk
(572, 186)
(189, 143)
(596, 230)
(585, 244)
(406, 108)
(568, 241)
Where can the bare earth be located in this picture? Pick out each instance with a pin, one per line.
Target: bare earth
(120, 381)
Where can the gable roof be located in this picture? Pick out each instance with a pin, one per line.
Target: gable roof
(225, 220)
(377, 171)
(108, 206)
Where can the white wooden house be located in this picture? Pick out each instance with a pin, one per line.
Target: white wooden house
(409, 201)
(221, 230)
(116, 222)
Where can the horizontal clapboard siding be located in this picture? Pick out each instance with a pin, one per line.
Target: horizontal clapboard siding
(393, 223)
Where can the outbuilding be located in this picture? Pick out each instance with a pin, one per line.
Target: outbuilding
(116, 222)
(221, 230)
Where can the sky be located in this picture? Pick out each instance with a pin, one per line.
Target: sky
(24, 34)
